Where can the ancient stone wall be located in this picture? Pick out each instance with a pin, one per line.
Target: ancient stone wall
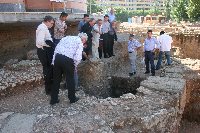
(187, 45)
(16, 39)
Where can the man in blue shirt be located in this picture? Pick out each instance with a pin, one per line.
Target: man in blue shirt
(150, 45)
(81, 23)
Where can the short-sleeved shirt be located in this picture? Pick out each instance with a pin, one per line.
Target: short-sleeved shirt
(132, 45)
(59, 25)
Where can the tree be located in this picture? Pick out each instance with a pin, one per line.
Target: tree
(180, 10)
(94, 7)
(194, 10)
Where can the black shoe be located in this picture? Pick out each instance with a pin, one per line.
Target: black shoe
(153, 74)
(106, 57)
(146, 72)
(54, 102)
(130, 74)
(157, 68)
(134, 73)
(76, 99)
(113, 55)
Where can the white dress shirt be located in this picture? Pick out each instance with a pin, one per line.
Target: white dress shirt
(70, 46)
(165, 42)
(105, 27)
(42, 34)
(132, 45)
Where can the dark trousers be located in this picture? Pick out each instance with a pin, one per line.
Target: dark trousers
(63, 65)
(105, 44)
(149, 57)
(100, 48)
(88, 49)
(110, 46)
(45, 56)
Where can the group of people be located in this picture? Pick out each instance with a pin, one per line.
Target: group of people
(151, 44)
(60, 54)
(101, 36)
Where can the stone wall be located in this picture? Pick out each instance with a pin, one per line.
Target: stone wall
(187, 45)
(16, 39)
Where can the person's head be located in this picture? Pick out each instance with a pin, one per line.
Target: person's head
(162, 32)
(63, 16)
(106, 18)
(92, 21)
(83, 37)
(86, 17)
(113, 23)
(131, 37)
(111, 11)
(99, 22)
(48, 21)
(149, 33)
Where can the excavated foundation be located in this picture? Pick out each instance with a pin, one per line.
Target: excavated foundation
(113, 101)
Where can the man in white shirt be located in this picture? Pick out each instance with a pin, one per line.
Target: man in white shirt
(44, 51)
(111, 15)
(133, 46)
(165, 47)
(67, 55)
(60, 27)
(95, 40)
(105, 30)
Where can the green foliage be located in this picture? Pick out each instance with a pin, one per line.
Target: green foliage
(94, 7)
(122, 14)
(194, 10)
(179, 10)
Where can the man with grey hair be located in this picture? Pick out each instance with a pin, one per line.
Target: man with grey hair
(67, 55)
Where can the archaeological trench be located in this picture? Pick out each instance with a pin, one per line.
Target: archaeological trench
(110, 100)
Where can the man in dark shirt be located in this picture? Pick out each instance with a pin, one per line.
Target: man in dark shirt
(87, 28)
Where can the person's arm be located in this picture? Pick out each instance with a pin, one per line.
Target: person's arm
(79, 26)
(95, 29)
(157, 42)
(84, 28)
(85, 55)
(115, 36)
(138, 45)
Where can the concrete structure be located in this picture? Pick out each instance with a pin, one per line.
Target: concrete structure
(7, 17)
(70, 6)
(134, 4)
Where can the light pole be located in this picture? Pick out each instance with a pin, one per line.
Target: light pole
(90, 7)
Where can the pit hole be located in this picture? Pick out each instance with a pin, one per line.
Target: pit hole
(124, 85)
